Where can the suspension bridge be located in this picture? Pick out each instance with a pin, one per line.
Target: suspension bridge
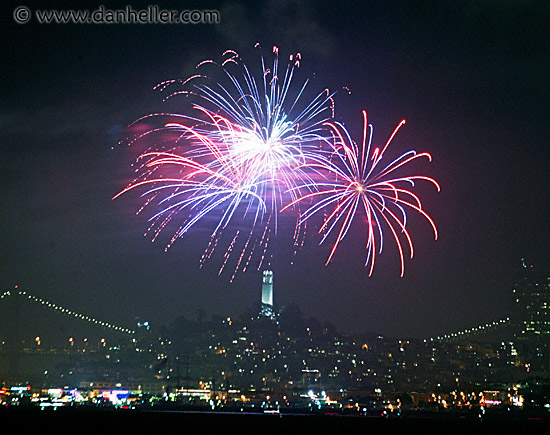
(468, 333)
(17, 293)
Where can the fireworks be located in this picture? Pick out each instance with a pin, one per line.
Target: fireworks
(257, 147)
(246, 150)
(356, 182)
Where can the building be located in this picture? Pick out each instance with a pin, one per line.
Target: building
(532, 303)
(531, 315)
(267, 292)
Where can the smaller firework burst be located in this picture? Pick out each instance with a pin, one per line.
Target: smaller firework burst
(359, 183)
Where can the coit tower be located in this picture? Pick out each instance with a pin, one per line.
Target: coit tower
(267, 288)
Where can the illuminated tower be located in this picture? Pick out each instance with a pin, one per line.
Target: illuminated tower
(267, 292)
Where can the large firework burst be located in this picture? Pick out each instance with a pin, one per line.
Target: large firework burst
(243, 153)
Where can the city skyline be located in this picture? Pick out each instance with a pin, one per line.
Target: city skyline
(279, 355)
(469, 80)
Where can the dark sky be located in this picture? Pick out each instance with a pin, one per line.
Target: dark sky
(470, 78)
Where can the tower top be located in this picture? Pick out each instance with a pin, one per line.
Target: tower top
(267, 291)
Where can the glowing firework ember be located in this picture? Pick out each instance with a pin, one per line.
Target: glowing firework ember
(247, 151)
(363, 183)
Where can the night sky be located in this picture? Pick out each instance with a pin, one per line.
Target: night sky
(471, 78)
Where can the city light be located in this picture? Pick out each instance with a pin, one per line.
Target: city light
(266, 364)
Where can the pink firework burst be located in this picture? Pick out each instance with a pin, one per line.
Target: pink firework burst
(358, 184)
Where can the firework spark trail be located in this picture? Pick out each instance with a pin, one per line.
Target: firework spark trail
(247, 263)
(243, 252)
(228, 252)
(360, 183)
(203, 188)
(212, 244)
(265, 249)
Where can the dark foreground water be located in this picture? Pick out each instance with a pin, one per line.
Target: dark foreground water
(78, 421)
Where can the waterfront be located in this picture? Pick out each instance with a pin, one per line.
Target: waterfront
(154, 421)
